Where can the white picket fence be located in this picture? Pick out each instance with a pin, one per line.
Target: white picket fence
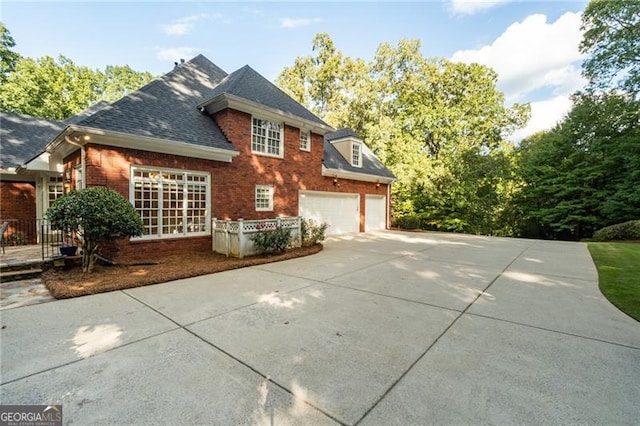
(233, 237)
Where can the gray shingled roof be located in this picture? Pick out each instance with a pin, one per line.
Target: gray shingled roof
(248, 84)
(167, 108)
(87, 112)
(332, 159)
(23, 137)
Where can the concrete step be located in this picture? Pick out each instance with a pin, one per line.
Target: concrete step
(20, 266)
(23, 274)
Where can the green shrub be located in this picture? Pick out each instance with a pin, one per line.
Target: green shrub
(312, 232)
(273, 240)
(622, 231)
(407, 221)
(95, 215)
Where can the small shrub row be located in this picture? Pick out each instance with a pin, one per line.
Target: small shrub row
(414, 221)
(312, 232)
(622, 231)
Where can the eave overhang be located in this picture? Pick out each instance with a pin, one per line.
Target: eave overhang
(226, 100)
(364, 177)
(82, 135)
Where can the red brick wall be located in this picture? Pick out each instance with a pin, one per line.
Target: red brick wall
(18, 202)
(232, 184)
(297, 170)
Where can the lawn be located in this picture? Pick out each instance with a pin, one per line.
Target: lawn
(619, 273)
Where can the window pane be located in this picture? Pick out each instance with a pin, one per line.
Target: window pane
(171, 203)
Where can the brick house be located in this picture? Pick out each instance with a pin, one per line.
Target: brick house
(198, 144)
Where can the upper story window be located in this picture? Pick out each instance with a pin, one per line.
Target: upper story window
(267, 138)
(356, 155)
(305, 140)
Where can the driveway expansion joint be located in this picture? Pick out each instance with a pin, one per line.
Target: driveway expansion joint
(550, 330)
(436, 340)
(241, 362)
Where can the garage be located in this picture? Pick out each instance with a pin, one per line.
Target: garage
(375, 212)
(340, 210)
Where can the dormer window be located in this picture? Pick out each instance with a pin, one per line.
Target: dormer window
(266, 138)
(356, 154)
(305, 140)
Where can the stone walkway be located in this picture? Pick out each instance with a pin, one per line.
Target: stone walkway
(26, 292)
(15, 294)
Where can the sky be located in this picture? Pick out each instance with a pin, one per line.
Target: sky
(532, 45)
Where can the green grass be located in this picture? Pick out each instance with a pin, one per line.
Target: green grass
(619, 274)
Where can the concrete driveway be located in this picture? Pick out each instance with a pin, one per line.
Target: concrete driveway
(377, 329)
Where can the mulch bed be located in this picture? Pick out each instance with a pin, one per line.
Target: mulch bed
(72, 282)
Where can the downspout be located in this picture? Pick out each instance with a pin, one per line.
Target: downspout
(83, 155)
(388, 218)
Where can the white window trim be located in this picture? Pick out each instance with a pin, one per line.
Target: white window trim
(308, 133)
(255, 202)
(359, 145)
(160, 235)
(78, 177)
(281, 145)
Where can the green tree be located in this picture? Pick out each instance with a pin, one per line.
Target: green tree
(95, 215)
(422, 117)
(118, 81)
(583, 174)
(8, 57)
(612, 40)
(49, 88)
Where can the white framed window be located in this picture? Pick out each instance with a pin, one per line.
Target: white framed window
(171, 203)
(264, 198)
(55, 189)
(305, 140)
(356, 155)
(78, 177)
(267, 138)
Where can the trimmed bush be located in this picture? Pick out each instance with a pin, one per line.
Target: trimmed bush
(407, 221)
(95, 215)
(273, 240)
(312, 232)
(620, 232)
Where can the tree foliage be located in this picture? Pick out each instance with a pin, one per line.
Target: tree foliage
(8, 57)
(439, 126)
(583, 174)
(57, 88)
(95, 215)
(612, 41)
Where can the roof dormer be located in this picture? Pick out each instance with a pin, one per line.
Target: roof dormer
(349, 145)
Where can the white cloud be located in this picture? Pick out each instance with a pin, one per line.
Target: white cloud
(533, 54)
(298, 22)
(174, 54)
(471, 7)
(544, 115)
(184, 25)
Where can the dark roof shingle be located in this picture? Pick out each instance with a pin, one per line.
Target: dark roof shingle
(167, 109)
(332, 159)
(248, 84)
(23, 137)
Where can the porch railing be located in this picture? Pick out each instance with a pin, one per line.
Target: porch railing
(233, 237)
(23, 232)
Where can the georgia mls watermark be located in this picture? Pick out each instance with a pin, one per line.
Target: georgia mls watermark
(30, 415)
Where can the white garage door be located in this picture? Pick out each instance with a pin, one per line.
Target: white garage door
(341, 211)
(375, 212)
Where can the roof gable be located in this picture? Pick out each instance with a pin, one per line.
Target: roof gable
(246, 83)
(22, 137)
(167, 109)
